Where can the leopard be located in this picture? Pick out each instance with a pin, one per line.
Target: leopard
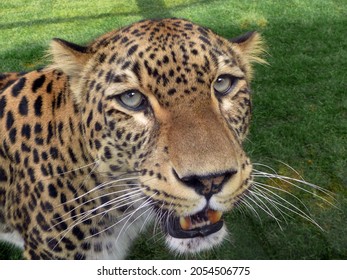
(143, 126)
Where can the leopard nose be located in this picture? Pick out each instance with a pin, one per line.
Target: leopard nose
(207, 185)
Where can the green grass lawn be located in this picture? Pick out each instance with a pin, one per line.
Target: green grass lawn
(300, 104)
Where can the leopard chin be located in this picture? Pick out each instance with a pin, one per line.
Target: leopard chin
(195, 233)
(196, 244)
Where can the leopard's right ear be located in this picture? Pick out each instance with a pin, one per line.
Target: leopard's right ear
(68, 57)
(71, 59)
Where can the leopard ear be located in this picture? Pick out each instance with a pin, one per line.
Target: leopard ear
(71, 59)
(252, 48)
(68, 57)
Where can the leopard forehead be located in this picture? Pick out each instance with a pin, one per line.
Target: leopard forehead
(171, 58)
(157, 35)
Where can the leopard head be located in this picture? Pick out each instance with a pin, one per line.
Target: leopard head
(169, 101)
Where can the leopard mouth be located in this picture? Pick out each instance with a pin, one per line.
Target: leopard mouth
(201, 224)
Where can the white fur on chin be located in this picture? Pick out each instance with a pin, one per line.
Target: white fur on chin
(197, 244)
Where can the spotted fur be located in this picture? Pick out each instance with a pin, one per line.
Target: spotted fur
(81, 174)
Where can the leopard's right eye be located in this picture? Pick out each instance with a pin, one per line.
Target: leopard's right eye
(133, 100)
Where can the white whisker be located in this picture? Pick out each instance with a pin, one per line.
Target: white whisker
(267, 210)
(269, 200)
(268, 187)
(294, 209)
(290, 181)
(101, 186)
(89, 214)
(143, 213)
(128, 216)
(120, 198)
(249, 206)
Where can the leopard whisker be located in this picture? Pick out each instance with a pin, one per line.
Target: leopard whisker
(115, 201)
(130, 224)
(87, 177)
(128, 216)
(127, 196)
(283, 203)
(83, 216)
(121, 198)
(72, 170)
(102, 185)
(261, 195)
(289, 180)
(268, 211)
(249, 206)
(116, 176)
(83, 219)
(158, 220)
(129, 205)
(267, 187)
(148, 216)
(295, 183)
(261, 207)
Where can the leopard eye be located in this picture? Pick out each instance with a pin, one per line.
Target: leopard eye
(224, 84)
(132, 99)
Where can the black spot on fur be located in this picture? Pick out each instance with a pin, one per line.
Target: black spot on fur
(38, 106)
(38, 83)
(50, 133)
(41, 221)
(25, 148)
(72, 155)
(26, 131)
(49, 87)
(205, 40)
(136, 69)
(31, 174)
(78, 233)
(9, 120)
(18, 86)
(171, 91)
(3, 175)
(102, 58)
(23, 106)
(53, 244)
(38, 128)
(13, 135)
(132, 49)
(52, 191)
(3, 103)
(90, 117)
(54, 152)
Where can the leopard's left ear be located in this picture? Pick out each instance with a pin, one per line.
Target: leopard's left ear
(251, 47)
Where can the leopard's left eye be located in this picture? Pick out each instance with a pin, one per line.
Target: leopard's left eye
(224, 84)
(132, 99)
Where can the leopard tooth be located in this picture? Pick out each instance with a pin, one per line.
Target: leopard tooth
(185, 223)
(214, 216)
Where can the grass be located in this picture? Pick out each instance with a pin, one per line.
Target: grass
(300, 103)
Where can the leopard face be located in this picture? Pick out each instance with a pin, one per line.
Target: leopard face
(164, 107)
(173, 106)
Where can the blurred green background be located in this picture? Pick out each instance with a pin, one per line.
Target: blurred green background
(300, 105)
